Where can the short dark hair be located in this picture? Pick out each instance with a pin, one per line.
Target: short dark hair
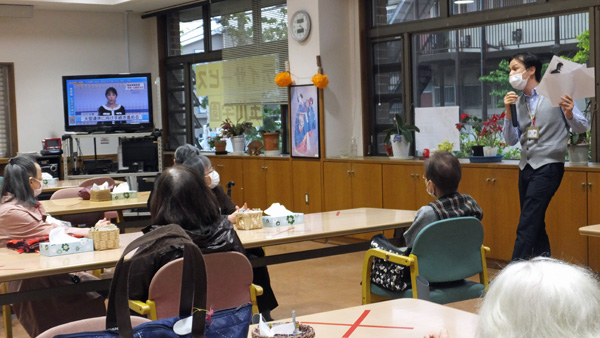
(444, 170)
(530, 60)
(16, 180)
(182, 197)
(184, 152)
(110, 90)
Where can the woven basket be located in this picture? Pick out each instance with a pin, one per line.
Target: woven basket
(105, 239)
(100, 195)
(305, 332)
(249, 220)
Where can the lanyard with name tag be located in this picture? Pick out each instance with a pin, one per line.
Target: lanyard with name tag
(533, 132)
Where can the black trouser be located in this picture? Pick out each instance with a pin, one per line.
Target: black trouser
(536, 188)
(267, 301)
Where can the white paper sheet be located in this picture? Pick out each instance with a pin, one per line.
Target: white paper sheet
(437, 124)
(566, 77)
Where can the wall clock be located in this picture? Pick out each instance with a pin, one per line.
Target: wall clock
(300, 25)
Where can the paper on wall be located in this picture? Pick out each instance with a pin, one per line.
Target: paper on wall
(437, 124)
(566, 77)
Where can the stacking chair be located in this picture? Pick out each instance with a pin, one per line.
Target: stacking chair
(89, 218)
(100, 181)
(229, 278)
(84, 325)
(444, 254)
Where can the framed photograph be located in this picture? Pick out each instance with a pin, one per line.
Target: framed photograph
(304, 121)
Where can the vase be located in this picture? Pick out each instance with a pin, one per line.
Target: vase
(477, 150)
(400, 149)
(490, 151)
(271, 142)
(578, 154)
(239, 144)
(220, 147)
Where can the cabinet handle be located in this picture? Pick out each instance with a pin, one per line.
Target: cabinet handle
(493, 180)
(487, 179)
(412, 175)
(349, 172)
(590, 184)
(306, 198)
(583, 184)
(264, 168)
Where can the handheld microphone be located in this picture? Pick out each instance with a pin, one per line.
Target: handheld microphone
(513, 113)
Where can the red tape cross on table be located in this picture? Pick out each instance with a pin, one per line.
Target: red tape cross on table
(357, 324)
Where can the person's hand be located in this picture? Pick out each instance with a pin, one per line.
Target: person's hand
(510, 98)
(232, 218)
(567, 105)
(443, 334)
(103, 223)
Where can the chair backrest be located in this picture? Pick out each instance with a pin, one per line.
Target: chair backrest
(84, 325)
(229, 275)
(89, 218)
(98, 181)
(449, 249)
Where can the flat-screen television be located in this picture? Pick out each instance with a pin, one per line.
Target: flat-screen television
(108, 103)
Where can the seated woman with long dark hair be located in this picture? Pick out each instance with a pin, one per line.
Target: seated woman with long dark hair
(21, 217)
(181, 197)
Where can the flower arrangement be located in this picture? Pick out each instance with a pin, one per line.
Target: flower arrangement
(230, 129)
(487, 133)
(283, 79)
(320, 81)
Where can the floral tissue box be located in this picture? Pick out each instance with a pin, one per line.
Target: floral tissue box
(58, 249)
(123, 195)
(293, 219)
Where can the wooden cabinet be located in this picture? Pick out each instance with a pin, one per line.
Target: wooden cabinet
(267, 181)
(352, 185)
(230, 170)
(497, 193)
(404, 187)
(593, 213)
(306, 186)
(566, 213)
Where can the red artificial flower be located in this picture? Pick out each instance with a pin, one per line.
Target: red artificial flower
(503, 115)
(459, 126)
(464, 116)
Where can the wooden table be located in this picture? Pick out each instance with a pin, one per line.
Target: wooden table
(67, 184)
(324, 225)
(77, 205)
(590, 230)
(406, 318)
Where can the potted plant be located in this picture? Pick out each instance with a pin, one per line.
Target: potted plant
(400, 136)
(218, 143)
(236, 133)
(486, 136)
(270, 133)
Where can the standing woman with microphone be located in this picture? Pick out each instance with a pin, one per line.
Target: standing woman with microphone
(542, 131)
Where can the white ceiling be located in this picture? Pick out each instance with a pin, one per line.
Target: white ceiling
(136, 6)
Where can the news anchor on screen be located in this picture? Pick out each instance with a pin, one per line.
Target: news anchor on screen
(111, 108)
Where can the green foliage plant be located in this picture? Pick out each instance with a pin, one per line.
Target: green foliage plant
(400, 128)
(230, 129)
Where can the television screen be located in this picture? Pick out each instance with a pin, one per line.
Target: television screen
(110, 103)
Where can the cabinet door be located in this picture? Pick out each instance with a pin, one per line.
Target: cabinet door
(503, 220)
(254, 183)
(278, 184)
(307, 183)
(366, 185)
(404, 187)
(230, 169)
(337, 188)
(593, 218)
(564, 218)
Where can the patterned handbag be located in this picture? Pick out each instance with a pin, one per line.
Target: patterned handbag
(229, 323)
(388, 275)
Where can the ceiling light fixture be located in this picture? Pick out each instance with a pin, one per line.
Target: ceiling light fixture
(462, 2)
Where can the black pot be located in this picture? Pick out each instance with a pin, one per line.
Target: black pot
(477, 150)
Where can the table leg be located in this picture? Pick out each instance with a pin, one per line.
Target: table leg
(7, 316)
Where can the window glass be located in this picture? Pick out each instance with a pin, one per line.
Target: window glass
(231, 24)
(449, 65)
(466, 6)
(388, 12)
(186, 32)
(274, 23)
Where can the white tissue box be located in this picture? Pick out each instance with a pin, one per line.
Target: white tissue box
(58, 249)
(50, 181)
(123, 195)
(295, 218)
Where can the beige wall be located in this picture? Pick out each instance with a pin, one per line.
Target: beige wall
(57, 43)
(334, 36)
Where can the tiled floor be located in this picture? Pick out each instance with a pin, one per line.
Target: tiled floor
(311, 286)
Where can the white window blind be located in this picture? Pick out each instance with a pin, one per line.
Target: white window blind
(4, 111)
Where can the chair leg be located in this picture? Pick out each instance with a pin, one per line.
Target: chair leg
(6, 316)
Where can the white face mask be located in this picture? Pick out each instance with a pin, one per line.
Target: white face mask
(37, 192)
(431, 193)
(517, 81)
(214, 179)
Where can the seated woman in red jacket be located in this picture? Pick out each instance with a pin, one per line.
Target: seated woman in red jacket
(22, 216)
